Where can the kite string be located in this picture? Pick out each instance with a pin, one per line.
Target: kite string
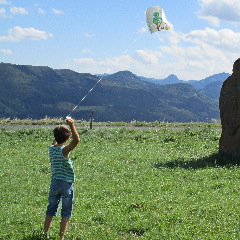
(117, 60)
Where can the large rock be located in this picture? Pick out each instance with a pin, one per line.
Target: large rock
(229, 104)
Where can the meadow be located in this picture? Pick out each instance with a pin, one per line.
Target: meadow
(162, 183)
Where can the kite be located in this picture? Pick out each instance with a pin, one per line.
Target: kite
(156, 19)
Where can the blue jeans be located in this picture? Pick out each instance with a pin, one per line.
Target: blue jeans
(60, 190)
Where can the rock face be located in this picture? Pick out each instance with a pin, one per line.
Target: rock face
(229, 104)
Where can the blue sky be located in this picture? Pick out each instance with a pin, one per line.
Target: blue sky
(99, 36)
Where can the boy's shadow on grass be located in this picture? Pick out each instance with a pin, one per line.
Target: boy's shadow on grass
(212, 160)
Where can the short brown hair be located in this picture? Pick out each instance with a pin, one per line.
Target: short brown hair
(236, 65)
(61, 134)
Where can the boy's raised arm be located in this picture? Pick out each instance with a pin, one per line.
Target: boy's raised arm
(75, 139)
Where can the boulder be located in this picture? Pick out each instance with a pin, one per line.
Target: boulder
(229, 105)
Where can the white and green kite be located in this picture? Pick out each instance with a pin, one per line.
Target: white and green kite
(156, 19)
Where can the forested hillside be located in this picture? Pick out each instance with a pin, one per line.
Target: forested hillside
(34, 92)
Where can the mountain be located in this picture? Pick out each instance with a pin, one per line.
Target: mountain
(220, 77)
(210, 86)
(127, 79)
(36, 91)
(169, 80)
(212, 90)
(198, 84)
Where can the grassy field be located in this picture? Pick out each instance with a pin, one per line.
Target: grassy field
(83, 123)
(131, 184)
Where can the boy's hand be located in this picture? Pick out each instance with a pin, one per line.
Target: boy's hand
(70, 122)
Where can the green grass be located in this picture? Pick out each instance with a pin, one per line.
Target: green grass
(83, 123)
(131, 184)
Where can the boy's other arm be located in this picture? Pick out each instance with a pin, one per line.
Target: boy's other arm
(75, 139)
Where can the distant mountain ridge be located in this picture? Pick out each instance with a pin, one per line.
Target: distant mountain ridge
(169, 80)
(220, 77)
(198, 84)
(210, 86)
(35, 91)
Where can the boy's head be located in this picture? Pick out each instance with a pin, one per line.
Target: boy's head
(61, 134)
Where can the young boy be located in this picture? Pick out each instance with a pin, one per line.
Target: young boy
(62, 176)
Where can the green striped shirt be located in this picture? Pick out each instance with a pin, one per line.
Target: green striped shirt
(62, 168)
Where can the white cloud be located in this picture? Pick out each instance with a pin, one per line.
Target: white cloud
(194, 56)
(109, 65)
(86, 50)
(220, 10)
(224, 38)
(18, 33)
(173, 37)
(41, 11)
(56, 11)
(188, 63)
(84, 61)
(147, 56)
(208, 53)
(18, 10)
(88, 35)
(142, 30)
(198, 57)
(3, 13)
(4, 2)
(211, 52)
(6, 51)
